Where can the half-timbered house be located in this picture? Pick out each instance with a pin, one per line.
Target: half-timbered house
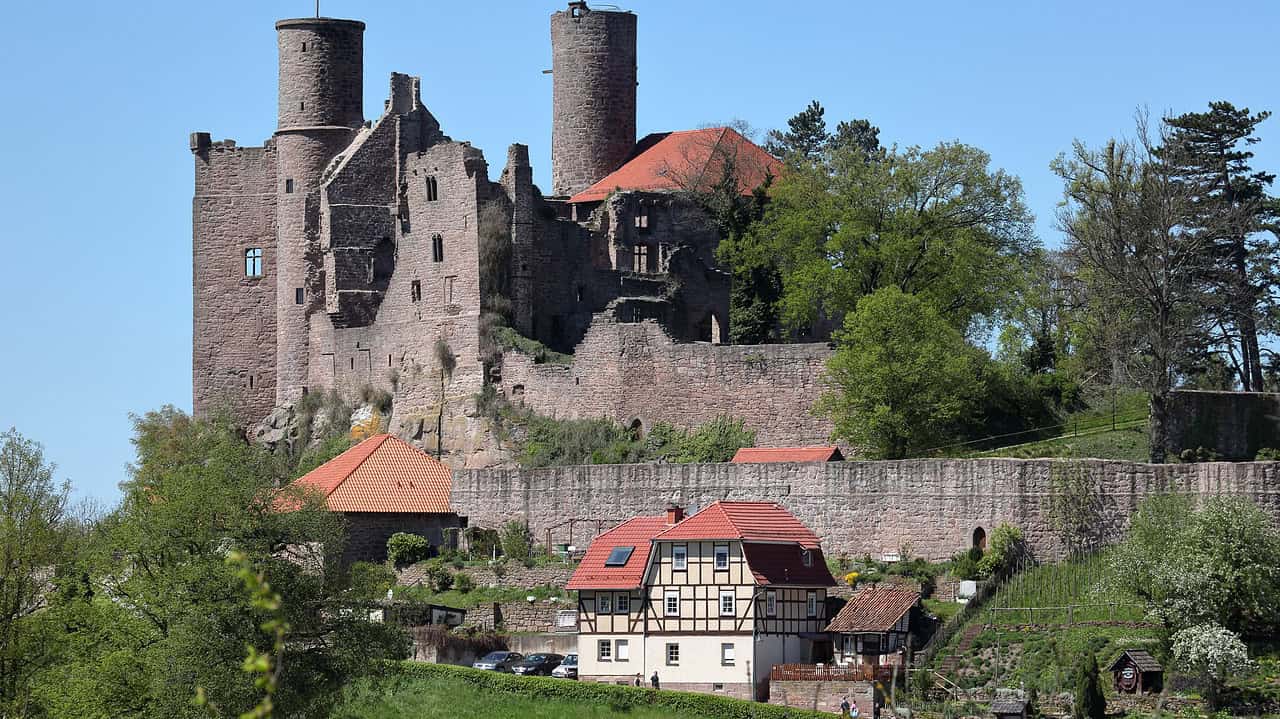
(710, 602)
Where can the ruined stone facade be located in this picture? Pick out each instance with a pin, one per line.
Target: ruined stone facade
(932, 506)
(349, 254)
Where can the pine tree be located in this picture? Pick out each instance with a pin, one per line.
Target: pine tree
(805, 138)
(1089, 702)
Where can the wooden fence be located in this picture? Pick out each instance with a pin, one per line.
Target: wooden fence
(830, 673)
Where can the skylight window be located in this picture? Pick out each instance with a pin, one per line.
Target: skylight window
(619, 556)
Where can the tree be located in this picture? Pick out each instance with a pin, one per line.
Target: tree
(516, 542)
(1123, 219)
(806, 136)
(1212, 653)
(1007, 552)
(1089, 702)
(1230, 211)
(901, 377)
(933, 223)
(33, 535)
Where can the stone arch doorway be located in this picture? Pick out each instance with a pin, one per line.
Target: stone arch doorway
(980, 538)
(637, 428)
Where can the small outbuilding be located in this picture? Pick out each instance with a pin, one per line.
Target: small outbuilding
(874, 626)
(1137, 672)
(755, 455)
(1009, 708)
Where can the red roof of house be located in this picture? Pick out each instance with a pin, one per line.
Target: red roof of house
(747, 521)
(685, 159)
(381, 474)
(638, 533)
(788, 454)
(874, 609)
(782, 564)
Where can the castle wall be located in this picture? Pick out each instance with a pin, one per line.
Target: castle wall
(857, 508)
(1234, 424)
(629, 371)
(234, 328)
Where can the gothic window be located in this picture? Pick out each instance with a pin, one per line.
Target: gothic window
(304, 47)
(641, 258)
(433, 190)
(448, 290)
(288, 186)
(437, 248)
(642, 217)
(415, 290)
(299, 295)
(253, 262)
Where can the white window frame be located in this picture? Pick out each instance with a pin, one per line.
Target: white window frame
(603, 604)
(717, 555)
(728, 654)
(667, 654)
(621, 650)
(622, 605)
(679, 557)
(667, 597)
(604, 650)
(732, 596)
(771, 603)
(811, 604)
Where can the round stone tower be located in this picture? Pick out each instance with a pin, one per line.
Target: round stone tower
(321, 106)
(593, 65)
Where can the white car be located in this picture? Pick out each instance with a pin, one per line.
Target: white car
(568, 668)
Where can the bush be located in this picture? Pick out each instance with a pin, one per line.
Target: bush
(379, 399)
(482, 542)
(369, 581)
(1089, 702)
(516, 542)
(964, 565)
(404, 549)
(620, 699)
(463, 582)
(438, 576)
(1008, 549)
(1268, 454)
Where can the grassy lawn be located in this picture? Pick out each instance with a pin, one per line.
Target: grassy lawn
(1128, 443)
(1045, 587)
(453, 699)
(943, 610)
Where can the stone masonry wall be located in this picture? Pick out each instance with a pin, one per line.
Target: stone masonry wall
(630, 371)
(858, 507)
(1234, 424)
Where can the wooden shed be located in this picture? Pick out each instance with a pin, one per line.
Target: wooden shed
(1009, 708)
(1137, 672)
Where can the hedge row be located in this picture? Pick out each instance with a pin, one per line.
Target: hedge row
(611, 695)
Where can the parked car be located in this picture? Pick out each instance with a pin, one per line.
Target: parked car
(497, 661)
(567, 669)
(542, 664)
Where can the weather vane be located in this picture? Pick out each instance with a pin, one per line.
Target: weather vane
(317, 8)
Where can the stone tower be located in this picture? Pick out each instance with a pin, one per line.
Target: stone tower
(321, 107)
(593, 65)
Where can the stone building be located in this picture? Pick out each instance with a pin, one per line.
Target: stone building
(346, 253)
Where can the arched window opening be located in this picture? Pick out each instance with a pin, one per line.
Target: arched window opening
(980, 538)
(437, 248)
(433, 190)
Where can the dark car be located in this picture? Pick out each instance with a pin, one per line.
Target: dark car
(568, 668)
(498, 661)
(541, 664)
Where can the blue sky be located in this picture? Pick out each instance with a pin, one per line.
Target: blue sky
(95, 294)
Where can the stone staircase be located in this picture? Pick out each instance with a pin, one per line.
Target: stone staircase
(951, 662)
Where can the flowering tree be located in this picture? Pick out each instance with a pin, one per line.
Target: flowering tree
(1213, 653)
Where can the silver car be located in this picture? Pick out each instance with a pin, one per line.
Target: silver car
(497, 661)
(568, 668)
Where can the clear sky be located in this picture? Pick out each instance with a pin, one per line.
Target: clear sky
(95, 288)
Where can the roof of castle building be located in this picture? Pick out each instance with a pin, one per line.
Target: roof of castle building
(746, 521)
(685, 160)
(595, 571)
(787, 454)
(874, 609)
(381, 474)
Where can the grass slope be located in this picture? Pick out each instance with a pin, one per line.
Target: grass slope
(456, 699)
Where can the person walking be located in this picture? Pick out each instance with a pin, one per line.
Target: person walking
(638, 681)
(653, 680)
(844, 707)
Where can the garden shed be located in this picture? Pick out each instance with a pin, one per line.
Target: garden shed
(1137, 672)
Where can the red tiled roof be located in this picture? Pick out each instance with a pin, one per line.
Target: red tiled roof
(748, 521)
(637, 532)
(782, 564)
(687, 158)
(787, 454)
(874, 609)
(381, 474)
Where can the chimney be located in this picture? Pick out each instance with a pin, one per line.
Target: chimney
(675, 513)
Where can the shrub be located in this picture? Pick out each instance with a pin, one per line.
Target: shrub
(438, 576)
(964, 565)
(1213, 654)
(463, 582)
(482, 541)
(379, 399)
(1268, 454)
(1089, 702)
(404, 549)
(1008, 549)
(516, 542)
(369, 581)
(715, 441)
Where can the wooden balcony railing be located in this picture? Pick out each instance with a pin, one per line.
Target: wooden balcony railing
(830, 673)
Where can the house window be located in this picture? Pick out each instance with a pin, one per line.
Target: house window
(304, 47)
(806, 557)
(771, 603)
(673, 654)
(811, 604)
(727, 602)
(448, 289)
(679, 557)
(727, 654)
(621, 650)
(288, 186)
(437, 248)
(299, 295)
(871, 644)
(253, 262)
(717, 687)
(415, 292)
(640, 258)
(642, 217)
(671, 603)
(623, 605)
(433, 190)
(722, 557)
(602, 604)
(604, 650)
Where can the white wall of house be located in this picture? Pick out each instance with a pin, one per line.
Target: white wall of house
(701, 658)
(591, 665)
